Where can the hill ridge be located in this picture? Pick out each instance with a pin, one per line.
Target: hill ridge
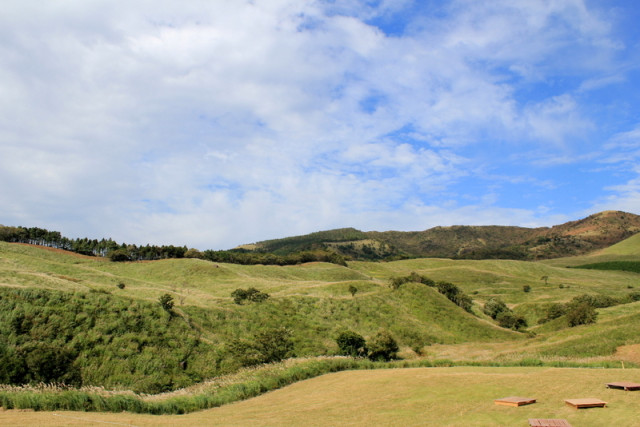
(594, 232)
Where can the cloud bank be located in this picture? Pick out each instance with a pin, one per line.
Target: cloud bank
(213, 124)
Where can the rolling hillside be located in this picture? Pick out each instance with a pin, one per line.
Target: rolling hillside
(104, 323)
(122, 314)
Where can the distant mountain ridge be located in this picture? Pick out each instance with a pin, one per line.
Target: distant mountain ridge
(579, 237)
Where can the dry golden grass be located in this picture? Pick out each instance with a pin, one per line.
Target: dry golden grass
(460, 396)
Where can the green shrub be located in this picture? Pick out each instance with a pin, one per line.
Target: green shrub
(494, 306)
(351, 344)
(396, 282)
(239, 295)
(353, 290)
(634, 296)
(48, 363)
(269, 345)
(581, 314)
(119, 255)
(509, 320)
(383, 347)
(554, 311)
(250, 294)
(166, 301)
(595, 301)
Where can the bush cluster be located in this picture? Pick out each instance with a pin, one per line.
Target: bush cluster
(581, 310)
(396, 282)
(251, 294)
(506, 318)
(266, 346)
(243, 257)
(381, 347)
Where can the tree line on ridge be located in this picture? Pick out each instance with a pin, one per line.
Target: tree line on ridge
(131, 252)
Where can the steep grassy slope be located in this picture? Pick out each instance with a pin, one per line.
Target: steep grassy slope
(627, 247)
(625, 250)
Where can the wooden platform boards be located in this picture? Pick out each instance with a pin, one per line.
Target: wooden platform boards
(624, 385)
(548, 422)
(586, 403)
(514, 401)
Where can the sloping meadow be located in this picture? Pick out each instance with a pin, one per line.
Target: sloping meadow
(89, 322)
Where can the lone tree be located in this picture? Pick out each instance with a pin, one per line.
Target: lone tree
(166, 301)
(353, 290)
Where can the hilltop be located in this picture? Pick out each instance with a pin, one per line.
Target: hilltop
(573, 238)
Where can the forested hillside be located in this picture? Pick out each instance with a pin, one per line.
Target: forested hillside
(470, 242)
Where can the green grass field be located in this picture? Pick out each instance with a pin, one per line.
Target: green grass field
(459, 396)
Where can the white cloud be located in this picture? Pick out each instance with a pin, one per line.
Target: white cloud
(218, 123)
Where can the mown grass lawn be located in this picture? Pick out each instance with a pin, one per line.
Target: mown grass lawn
(460, 396)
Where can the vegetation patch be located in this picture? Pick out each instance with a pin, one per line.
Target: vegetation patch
(632, 266)
(96, 338)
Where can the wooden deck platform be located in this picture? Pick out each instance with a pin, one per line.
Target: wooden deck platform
(548, 422)
(586, 403)
(514, 401)
(624, 385)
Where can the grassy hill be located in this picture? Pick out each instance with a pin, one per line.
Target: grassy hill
(70, 301)
(103, 321)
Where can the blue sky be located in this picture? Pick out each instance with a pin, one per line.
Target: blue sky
(217, 123)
